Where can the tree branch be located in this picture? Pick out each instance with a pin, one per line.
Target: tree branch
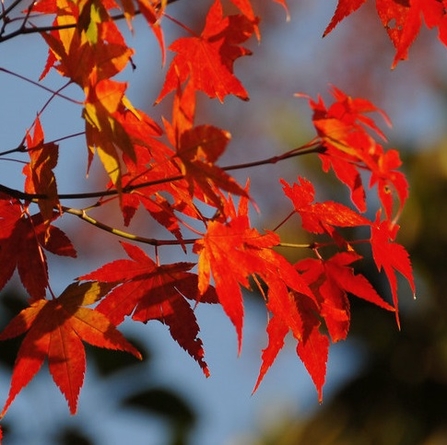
(312, 147)
(23, 30)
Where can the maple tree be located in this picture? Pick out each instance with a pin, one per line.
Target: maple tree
(168, 169)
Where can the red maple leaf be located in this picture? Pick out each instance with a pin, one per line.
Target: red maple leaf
(329, 283)
(207, 60)
(402, 22)
(320, 217)
(350, 148)
(390, 256)
(344, 8)
(331, 280)
(40, 178)
(149, 173)
(343, 129)
(313, 351)
(389, 180)
(198, 150)
(23, 239)
(401, 19)
(55, 330)
(232, 252)
(151, 292)
(296, 312)
(144, 183)
(187, 172)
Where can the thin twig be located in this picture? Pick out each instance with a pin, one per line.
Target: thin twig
(80, 213)
(37, 84)
(9, 9)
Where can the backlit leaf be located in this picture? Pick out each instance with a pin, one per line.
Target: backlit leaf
(55, 330)
(40, 178)
(23, 239)
(207, 60)
(390, 256)
(150, 292)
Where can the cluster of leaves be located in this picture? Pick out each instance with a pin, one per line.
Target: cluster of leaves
(169, 171)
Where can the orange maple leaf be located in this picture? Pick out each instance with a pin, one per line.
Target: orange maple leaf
(153, 12)
(55, 330)
(96, 41)
(104, 131)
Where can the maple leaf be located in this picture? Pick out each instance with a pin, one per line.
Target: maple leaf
(147, 181)
(349, 147)
(151, 175)
(435, 15)
(96, 41)
(344, 8)
(40, 178)
(55, 330)
(402, 22)
(390, 256)
(153, 13)
(295, 311)
(155, 170)
(151, 292)
(320, 217)
(246, 8)
(332, 280)
(324, 295)
(23, 239)
(232, 252)
(198, 150)
(388, 179)
(314, 351)
(208, 59)
(104, 132)
(401, 19)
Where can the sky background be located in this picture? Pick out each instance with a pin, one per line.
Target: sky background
(291, 57)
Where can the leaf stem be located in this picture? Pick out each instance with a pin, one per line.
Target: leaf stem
(297, 246)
